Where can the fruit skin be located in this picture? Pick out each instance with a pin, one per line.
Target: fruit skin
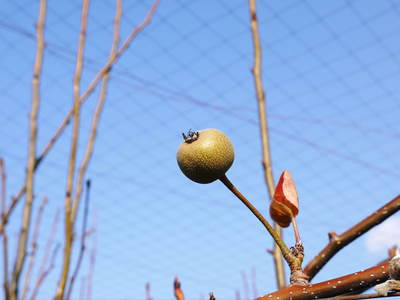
(207, 158)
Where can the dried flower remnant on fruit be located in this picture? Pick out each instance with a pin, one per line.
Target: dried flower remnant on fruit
(191, 136)
(205, 155)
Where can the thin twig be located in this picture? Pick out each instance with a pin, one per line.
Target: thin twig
(148, 293)
(69, 226)
(97, 114)
(83, 241)
(91, 87)
(30, 169)
(254, 282)
(34, 247)
(245, 286)
(92, 261)
(266, 152)
(82, 289)
(5, 236)
(338, 242)
(333, 287)
(44, 270)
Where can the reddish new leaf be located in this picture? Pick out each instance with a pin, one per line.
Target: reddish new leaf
(285, 204)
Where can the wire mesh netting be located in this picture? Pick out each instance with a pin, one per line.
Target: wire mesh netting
(331, 72)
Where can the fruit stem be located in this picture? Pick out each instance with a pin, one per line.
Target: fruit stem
(296, 230)
(289, 257)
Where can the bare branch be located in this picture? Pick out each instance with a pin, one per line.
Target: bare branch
(245, 286)
(92, 262)
(338, 242)
(334, 287)
(254, 282)
(148, 294)
(44, 270)
(34, 247)
(83, 241)
(4, 237)
(92, 86)
(30, 169)
(97, 113)
(69, 226)
(262, 115)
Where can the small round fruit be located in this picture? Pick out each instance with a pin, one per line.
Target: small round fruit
(205, 155)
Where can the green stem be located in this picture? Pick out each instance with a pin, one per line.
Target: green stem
(281, 244)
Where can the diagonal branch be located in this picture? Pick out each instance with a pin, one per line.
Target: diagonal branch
(334, 287)
(30, 168)
(266, 153)
(337, 242)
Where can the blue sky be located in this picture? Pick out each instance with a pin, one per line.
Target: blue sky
(331, 73)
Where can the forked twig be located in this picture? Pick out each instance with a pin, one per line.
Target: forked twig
(266, 152)
(69, 231)
(34, 247)
(30, 169)
(338, 242)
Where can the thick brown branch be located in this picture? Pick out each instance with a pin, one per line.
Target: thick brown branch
(337, 242)
(30, 168)
(364, 296)
(266, 152)
(334, 287)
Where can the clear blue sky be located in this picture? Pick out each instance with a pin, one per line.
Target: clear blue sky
(331, 73)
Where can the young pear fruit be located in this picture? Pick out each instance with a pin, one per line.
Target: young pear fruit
(205, 155)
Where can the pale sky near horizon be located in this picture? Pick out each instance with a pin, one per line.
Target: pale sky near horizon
(331, 74)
